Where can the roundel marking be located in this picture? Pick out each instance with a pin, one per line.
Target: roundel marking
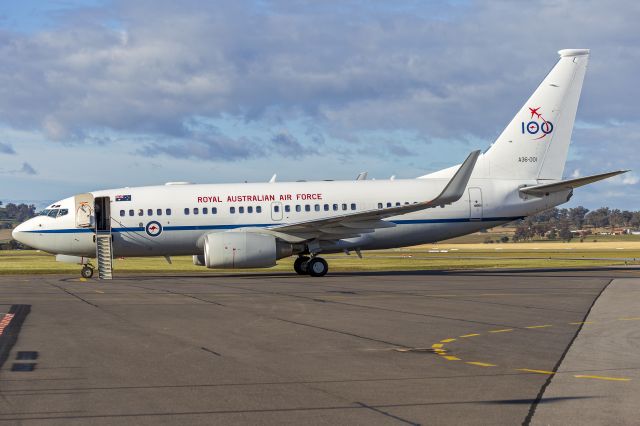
(153, 228)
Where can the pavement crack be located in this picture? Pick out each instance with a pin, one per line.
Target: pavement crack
(534, 405)
(385, 413)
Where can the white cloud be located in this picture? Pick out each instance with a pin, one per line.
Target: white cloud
(453, 74)
(630, 179)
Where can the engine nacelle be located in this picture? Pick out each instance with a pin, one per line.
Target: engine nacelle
(198, 260)
(243, 250)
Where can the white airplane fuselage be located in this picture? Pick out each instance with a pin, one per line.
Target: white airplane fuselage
(487, 203)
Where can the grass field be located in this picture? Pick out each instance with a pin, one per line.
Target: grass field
(425, 257)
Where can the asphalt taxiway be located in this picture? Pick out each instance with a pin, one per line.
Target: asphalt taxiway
(475, 347)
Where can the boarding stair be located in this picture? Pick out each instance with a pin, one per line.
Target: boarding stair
(104, 255)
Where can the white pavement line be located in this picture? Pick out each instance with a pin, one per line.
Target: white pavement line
(601, 383)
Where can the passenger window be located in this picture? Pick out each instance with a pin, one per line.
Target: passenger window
(249, 209)
(149, 212)
(168, 212)
(326, 207)
(287, 208)
(317, 207)
(241, 209)
(389, 204)
(195, 210)
(298, 208)
(186, 211)
(307, 208)
(121, 213)
(379, 205)
(397, 204)
(335, 207)
(140, 212)
(344, 207)
(232, 210)
(259, 209)
(159, 212)
(276, 208)
(205, 210)
(353, 206)
(131, 212)
(406, 202)
(214, 210)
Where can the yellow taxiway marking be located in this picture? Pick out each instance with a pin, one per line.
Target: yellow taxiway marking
(526, 370)
(470, 335)
(630, 319)
(616, 379)
(437, 345)
(540, 326)
(581, 322)
(83, 279)
(481, 364)
(447, 340)
(504, 330)
(451, 358)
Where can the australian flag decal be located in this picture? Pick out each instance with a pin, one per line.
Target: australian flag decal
(123, 197)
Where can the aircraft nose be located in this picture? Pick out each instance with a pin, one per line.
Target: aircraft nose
(18, 232)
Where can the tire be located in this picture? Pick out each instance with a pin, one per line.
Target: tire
(86, 272)
(300, 265)
(318, 267)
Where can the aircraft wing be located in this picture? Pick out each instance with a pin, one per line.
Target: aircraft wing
(355, 224)
(540, 190)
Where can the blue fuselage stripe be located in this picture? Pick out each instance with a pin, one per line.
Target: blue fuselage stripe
(267, 225)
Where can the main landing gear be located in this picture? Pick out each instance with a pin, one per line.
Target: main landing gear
(314, 266)
(87, 271)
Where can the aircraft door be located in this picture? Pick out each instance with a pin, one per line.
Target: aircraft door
(475, 203)
(102, 210)
(276, 211)
(84, 210)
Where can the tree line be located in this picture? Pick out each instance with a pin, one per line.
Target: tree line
(11, 213)
(558, 223)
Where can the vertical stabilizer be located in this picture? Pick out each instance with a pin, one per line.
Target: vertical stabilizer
(535, 143)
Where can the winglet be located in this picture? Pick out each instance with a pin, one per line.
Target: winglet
(458, 183)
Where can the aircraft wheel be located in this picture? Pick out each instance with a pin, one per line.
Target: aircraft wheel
(87, 272)
(317, 267)
(300, 265)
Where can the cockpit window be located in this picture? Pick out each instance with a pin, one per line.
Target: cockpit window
(44, 212)
(63, 212)
(53, 213)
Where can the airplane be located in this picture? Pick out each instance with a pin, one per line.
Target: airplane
(252, 225)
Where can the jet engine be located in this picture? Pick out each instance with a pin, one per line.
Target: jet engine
(243, 250)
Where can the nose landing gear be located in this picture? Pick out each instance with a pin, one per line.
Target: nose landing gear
(87, 271)
(314, 266)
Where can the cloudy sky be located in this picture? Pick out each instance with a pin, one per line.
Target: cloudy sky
(97, 93)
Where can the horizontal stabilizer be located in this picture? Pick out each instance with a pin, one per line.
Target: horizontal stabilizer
(540, 190)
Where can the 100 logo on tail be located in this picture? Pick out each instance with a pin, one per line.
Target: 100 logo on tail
(534, 127)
